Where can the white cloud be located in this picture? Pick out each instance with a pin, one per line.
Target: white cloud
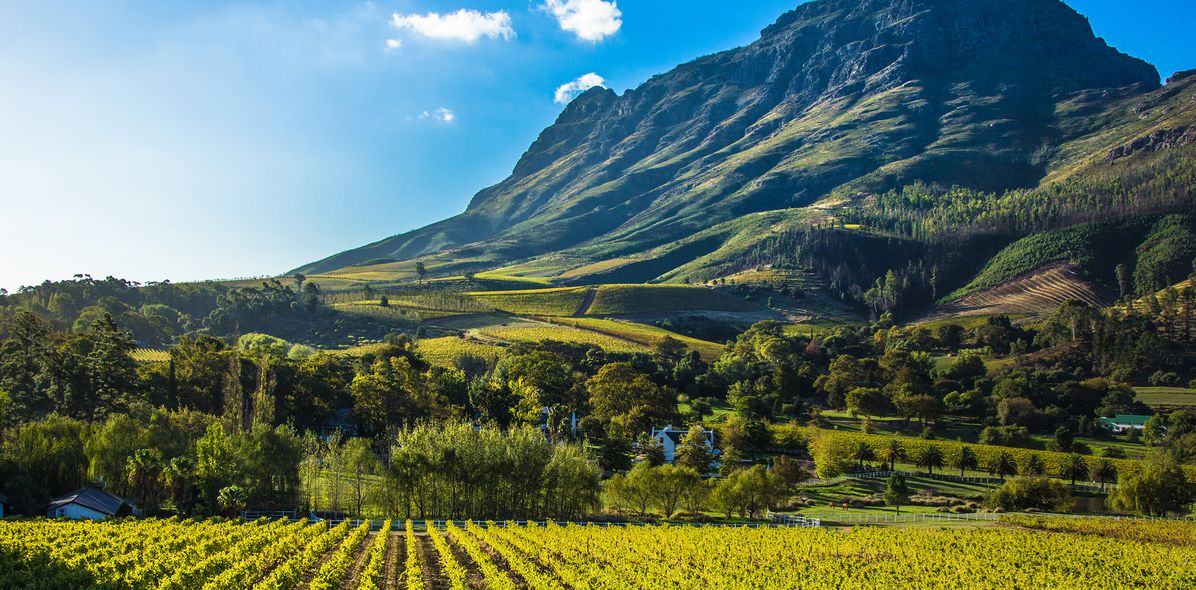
(393, 43)
(591, 20)
(441, 114)
(463, 25)
(569, 91)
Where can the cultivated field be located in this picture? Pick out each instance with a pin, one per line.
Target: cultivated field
(276, 555)
(1038, 292)
(562, 301)
(626, 299)
(642, 334)
(1166, 397)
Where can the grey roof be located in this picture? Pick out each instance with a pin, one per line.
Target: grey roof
(93, 498)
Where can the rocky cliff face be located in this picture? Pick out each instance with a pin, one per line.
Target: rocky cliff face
(836, 97)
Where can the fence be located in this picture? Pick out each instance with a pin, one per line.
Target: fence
(778, 521)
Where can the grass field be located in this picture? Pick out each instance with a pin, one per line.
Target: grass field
(629, 299)
(1166, 397)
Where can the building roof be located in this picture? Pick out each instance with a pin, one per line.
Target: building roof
(93, 498)
(1126, 419)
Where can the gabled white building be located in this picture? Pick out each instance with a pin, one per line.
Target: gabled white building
(670, 438)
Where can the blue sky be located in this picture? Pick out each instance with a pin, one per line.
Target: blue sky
(189, 140)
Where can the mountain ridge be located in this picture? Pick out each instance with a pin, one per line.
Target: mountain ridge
(835, 96)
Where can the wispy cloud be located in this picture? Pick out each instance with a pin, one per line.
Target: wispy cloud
(392, 44)
(464, 25)
(441, 114)
(569, 91)
(590, 20)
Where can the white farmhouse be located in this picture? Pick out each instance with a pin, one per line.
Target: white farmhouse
(670, 438)
(91, 504)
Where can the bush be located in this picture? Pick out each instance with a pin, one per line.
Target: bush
(1164, 378)
(1025, 493)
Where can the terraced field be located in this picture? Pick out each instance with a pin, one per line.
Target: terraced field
(1091, 554)
(1035, 293)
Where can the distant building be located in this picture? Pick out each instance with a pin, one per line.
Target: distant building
(1122, 422)
(670, 438)
(90, 503)
(340, 421)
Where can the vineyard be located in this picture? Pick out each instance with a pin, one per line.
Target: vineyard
(170, 554)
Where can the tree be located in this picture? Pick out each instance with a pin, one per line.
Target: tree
(1157, 487)
(930, 458)
(1122, 273)
(1074, 467)
(179, 476)
(232, 500)
(892, 452)
(1103, 472)
(670, 484)
(1002, 465)
(896, 491)
(215, 463)
(867, 402)
(694, 451)
(421, 270)
(1032, 465)
(965, 459)
(861, 453)
(621, 394)
(361, 463)
(144, 471)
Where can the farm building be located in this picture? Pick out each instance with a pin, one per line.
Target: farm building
(90, 503)
(1123, 422)
(670, 438)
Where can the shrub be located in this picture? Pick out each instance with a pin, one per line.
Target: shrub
(1025, 493)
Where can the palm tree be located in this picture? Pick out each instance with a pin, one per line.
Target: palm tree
(965, 459)
(143, 468)
(862, 453)
(1074, 467)
(1104, 471)
(180, 477)
(232, 499)
(931, 457)
(1033, 465)
(1003, 464)
(892, 452)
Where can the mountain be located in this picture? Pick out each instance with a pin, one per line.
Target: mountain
(837, 102)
